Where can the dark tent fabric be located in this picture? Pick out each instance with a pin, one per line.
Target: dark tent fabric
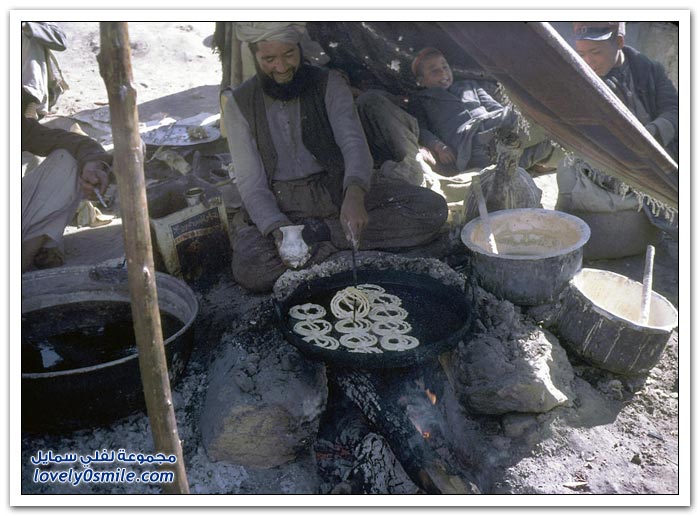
(541, 74)
(552, 86)
(384, 50)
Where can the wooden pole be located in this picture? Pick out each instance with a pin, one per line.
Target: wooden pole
(484, 214)
(236, 57)
(115, 68)
(226, 54)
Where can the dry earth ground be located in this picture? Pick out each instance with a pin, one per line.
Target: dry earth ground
(620, 438)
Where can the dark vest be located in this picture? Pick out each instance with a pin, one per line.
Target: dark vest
(316, 131)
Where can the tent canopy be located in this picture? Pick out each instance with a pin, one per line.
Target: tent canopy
(540, 72)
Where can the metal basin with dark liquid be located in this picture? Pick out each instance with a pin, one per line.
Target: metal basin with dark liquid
(539, 251)
(79, 357)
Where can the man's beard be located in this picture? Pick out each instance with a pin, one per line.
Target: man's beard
(288, 90)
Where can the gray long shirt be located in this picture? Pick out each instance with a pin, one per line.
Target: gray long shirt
(294, 161)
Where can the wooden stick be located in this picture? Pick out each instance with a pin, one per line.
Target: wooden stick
(115, 68)
(236, 57)
(226, 54)
(484, 214)
(646, 287)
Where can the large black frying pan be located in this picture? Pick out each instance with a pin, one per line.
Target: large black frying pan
(440, 315)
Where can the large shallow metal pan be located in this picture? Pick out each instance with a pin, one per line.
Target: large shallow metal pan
(175, 135)
(440, 315)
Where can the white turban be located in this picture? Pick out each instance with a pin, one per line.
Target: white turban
(287, 32)
(252, 32)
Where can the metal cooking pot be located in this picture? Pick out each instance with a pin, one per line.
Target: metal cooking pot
(94, 393)
(539, 251)
(440, 316)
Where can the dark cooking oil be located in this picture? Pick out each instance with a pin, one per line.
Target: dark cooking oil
(429, 320)
(77, 335)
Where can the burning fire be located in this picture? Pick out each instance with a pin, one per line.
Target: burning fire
(433, 400)
(420, 413)
(424, 433)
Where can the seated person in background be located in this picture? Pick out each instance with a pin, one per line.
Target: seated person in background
(304, 170)
(392, 134)
(458, 120)
(74, 167)
(42, 81)
(642, 85)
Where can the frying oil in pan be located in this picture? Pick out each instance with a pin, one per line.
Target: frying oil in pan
(79, 335)
(427, 315)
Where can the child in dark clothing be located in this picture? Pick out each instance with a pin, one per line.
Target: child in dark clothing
(458, 120)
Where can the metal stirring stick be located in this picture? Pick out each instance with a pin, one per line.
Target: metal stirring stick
(353, 250)
(354, 263)
(99, 196)
(108, 168)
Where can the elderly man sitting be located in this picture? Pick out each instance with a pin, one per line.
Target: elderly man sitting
(305, 172)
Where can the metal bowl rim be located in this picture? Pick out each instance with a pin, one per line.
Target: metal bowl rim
(468, 229)
(89, 369)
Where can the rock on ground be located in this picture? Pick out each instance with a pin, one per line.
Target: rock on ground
(512, 365)
(264, 400)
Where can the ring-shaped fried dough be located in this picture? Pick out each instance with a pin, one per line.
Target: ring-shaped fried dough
(313, 327)
(370, 349)
(353, 325)
(358, 340)
(323, 341)
(384, 312)
(371, 289)
(384, 299)
(391, 326)
(351, 306)
(398, 342)
(307, 311)
(350, 302)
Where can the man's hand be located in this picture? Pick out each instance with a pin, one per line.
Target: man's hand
(427, 156)
(444, 155)
(93, 176)
(353, 215)
(654, 131)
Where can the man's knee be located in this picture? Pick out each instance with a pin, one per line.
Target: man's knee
(374, 105)
(59, 162)
(30, 248)
(62, 156)
(255, 263)
(436, 207)
(429, 215)
(371, 100)
(250, 277)
(430, 208)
